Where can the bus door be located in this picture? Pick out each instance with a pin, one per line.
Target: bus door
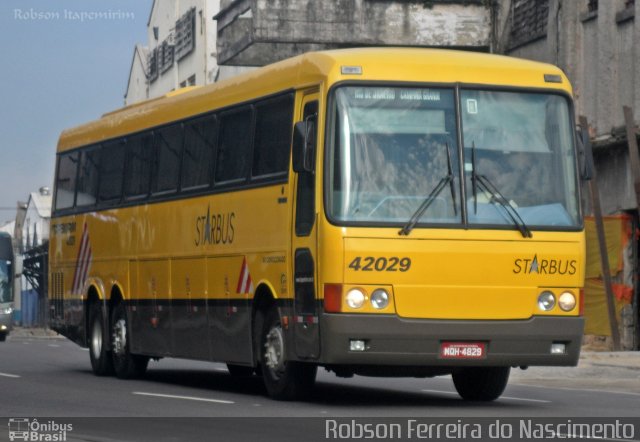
(304, 245)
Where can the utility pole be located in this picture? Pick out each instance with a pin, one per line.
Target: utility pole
(602, 242)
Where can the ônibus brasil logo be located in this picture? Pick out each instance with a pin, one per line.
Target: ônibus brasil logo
(32, 430)
(545, 266)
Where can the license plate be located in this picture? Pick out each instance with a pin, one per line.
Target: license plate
(463, 350)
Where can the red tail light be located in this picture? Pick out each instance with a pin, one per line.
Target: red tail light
(332, 298)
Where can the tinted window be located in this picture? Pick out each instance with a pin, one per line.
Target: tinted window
(234, 146)
(111, 170)
(88, 177)
(274, 120)
(168, 153)
(66, 180)
(138, 170)
(199, 144)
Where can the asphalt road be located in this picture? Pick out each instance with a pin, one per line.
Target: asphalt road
(51, 378)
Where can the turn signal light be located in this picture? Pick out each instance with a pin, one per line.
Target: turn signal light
(332, 298)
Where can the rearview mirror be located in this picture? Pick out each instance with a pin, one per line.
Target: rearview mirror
(304, 145)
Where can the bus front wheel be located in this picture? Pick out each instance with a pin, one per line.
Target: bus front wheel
(126, 365)
(480, 383)
(99, 355)
(283, 379)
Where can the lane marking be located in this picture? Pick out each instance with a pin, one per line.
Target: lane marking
(54, 345)
(587, 390)
(501, 397)
(188, 398)
(542, 401)
(7, 375)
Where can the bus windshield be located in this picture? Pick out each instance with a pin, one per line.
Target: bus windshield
(5, 282)
(394, 151)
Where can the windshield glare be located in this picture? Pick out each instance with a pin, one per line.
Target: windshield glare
(523, 145)
(390, 153)
(389, 150)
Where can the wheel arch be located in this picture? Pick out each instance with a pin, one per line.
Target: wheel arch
(263, 299)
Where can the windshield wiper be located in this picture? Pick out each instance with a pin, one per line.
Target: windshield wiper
(478, 180)
(448, 179)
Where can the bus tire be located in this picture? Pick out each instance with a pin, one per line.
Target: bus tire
(240, 371)
(3, 337)
(284, 380)
(125, 364)
(99, 354)
(480, 383)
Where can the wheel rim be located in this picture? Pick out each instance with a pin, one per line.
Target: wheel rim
(274, 351)
(96, 338)
(120, 337)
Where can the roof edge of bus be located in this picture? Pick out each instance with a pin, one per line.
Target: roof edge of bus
(314, 62)
(170, 94)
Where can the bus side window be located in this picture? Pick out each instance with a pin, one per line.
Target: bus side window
(199, 148)
(234, 146)
(138, 166)
(168, 151)
(111, 171)
(66, 180)
(273, 137)
(87, 192)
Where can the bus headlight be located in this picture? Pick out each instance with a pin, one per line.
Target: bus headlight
(379, 299)
(355, 298)
(567, 301)
(546, 301)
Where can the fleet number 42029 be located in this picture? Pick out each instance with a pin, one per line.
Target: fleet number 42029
(380, 264)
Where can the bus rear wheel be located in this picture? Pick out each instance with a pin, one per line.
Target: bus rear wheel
(125, 364)
(283, 379)
(99, 355)
(481, 383)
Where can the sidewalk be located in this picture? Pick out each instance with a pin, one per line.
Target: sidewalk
(35, 332)
(610, 371)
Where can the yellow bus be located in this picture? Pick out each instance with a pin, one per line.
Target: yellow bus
(379, 212)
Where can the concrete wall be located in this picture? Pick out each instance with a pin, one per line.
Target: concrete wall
(258, 32)
(600, 54)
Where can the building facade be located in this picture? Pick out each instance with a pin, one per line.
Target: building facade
(180, 50)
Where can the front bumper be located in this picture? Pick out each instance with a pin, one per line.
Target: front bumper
(5, 323)
(396, 341)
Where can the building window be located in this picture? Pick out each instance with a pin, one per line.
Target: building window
(186, 34)
(592, 6)
(628, 13)
(153, 65)
(165, 56)
(528, 21)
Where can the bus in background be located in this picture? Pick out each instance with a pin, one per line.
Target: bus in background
(380, 212)
(6, 285)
